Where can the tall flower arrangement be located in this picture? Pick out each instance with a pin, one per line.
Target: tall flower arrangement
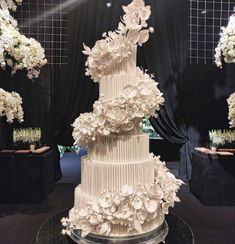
(16, 50)
(226, 46)
(11, 106)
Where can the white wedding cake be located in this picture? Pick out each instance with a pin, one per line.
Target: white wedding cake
(124, 189)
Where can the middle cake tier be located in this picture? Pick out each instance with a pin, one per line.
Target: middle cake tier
(120, 148)
(99, 176)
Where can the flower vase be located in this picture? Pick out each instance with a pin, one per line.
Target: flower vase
(32, 147)
(213, 149)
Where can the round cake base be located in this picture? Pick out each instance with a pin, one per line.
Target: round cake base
(155, 236)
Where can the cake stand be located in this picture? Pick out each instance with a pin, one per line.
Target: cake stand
(179, 232)
(155, 236)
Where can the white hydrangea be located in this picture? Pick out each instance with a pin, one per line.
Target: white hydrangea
(16, 50)
(11, 106)
(226, 45)
(119, 115)
(130, 207)
(116, 45)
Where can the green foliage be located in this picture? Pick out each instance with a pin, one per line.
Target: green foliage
(147, 127)
(63, 149)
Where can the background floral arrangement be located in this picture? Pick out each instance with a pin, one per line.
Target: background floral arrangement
(131, 208)
(222, 138)
(226, 45)
(116, 45)
(10, 4)
(16, 50)
(23, 138)
(231, 110)
(11, 106)
(119, 115)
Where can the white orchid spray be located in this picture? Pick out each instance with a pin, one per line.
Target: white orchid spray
(116, 45)
(226, 46)
(11, 106)
(16, 50)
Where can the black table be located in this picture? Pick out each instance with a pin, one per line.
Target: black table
(26, 179)
(213, 179)
(50, 231)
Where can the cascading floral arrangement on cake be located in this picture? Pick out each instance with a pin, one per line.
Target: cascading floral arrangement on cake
(124, 189)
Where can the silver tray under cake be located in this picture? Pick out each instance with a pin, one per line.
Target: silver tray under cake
(155, 236)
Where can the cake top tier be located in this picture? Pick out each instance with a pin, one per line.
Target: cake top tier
(109, 52)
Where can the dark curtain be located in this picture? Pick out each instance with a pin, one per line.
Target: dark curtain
(166, 55)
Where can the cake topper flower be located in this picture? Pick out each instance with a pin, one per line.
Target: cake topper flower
(226, 45)
(117, 45)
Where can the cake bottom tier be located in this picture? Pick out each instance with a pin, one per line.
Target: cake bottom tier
(117, 229)
(130, 211)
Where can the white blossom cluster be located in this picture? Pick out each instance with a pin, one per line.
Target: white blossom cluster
(11, 106)
(130, 208)
(226, 45)
(10, 4)
(116, 45)
(231, 110)
(119, 115)
(16, 50)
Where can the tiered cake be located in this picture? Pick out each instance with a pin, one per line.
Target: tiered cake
(124, 190)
